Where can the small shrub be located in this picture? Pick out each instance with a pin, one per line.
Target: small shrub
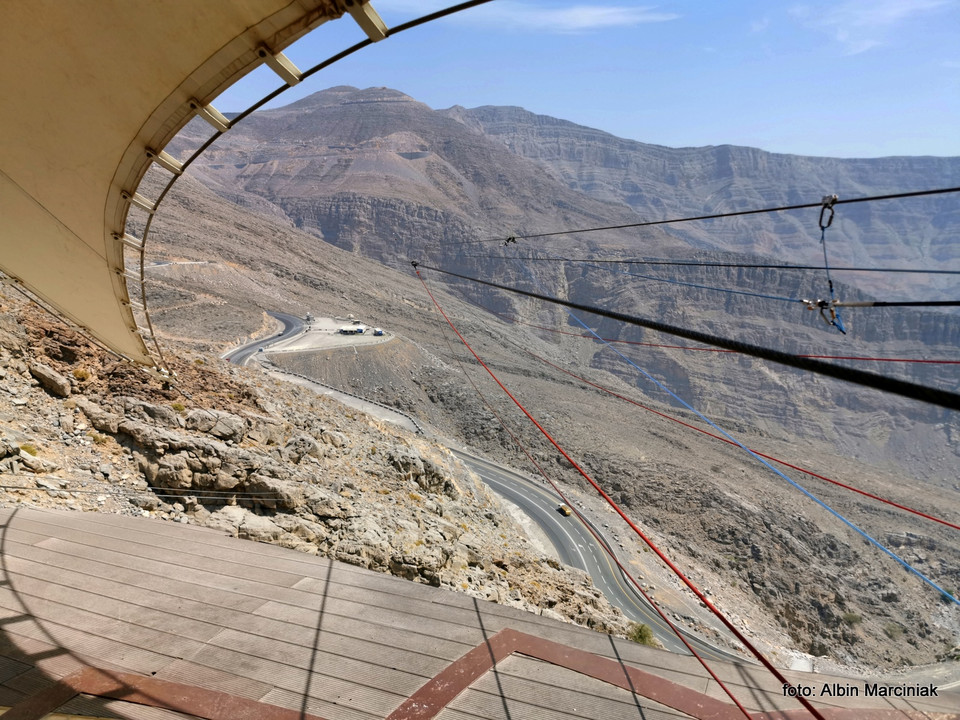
(851, 618)
(81, 374)
(199, 361)
(413, 496)
(29, 449)
(97, 438)
(947, 597)
(642, 634)
(178, 407)
(893, 631)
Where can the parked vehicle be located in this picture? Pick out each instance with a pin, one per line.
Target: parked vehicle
(564, 510)
(378, 331)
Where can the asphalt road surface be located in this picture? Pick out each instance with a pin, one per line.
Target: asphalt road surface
(578, 548)
(291, 326)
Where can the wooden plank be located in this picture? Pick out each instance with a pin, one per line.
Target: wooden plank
(169, 568)
(369, 701)
(338, 631)
(331, 705)
(539, 684)
(78, 634)
(190, 673)
(111, 609)
(10, 668)
(132, 544)
(452, 639)
(185, 539)
(397, 679)
(46, 560)
(66, 554)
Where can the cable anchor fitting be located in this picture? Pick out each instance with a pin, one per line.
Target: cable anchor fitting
(827, 204)
(827, 307)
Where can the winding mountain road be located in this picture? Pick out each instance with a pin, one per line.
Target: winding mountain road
(575, 544)
(291, 326)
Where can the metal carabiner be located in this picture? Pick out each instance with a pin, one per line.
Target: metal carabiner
(828, 202)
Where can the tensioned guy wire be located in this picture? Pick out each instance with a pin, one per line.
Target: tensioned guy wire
(934, 396)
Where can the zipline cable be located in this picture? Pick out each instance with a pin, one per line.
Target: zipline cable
(694, 263)
(765, 296)
(866, 536)
(676, 570)
(864, 358)
(603, 544)
(804, 470)
(935, 396)
(715, 216)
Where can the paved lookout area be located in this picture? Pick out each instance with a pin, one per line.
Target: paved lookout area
(161, 615)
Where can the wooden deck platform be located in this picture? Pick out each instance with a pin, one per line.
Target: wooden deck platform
(189, 605)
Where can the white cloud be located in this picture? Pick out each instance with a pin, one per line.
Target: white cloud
(860, 25)
(539, 17)
(760, 25)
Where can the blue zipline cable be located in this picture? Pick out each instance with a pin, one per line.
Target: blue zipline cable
(866, 536)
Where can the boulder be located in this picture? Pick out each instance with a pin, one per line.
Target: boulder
(35, 464)
(259, 528)
(218, 423)
(51, 381)
(98, 417)
(157, 414)
(332, 437)
(300, 446)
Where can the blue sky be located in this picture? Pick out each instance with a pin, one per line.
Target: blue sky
(846, 78)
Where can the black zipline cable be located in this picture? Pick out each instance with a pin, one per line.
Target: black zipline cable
(934, 396)
(694, 263)
(716, 216)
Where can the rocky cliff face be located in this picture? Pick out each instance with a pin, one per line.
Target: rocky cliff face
(660, 183)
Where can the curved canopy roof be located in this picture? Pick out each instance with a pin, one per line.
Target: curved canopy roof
(92, 91)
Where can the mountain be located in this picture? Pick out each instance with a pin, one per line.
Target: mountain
(659, 183)
(377, 173)
(382, 179)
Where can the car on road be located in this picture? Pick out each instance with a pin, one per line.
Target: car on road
(564, 510)
(260, 349)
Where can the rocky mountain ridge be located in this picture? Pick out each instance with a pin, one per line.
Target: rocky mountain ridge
(659, 182)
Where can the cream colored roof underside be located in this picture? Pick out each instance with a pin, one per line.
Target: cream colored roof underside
(86, 86)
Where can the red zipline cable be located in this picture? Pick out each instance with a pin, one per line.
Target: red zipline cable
(722, 350)
(606, 548)
(679, 573)
(755, 452)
